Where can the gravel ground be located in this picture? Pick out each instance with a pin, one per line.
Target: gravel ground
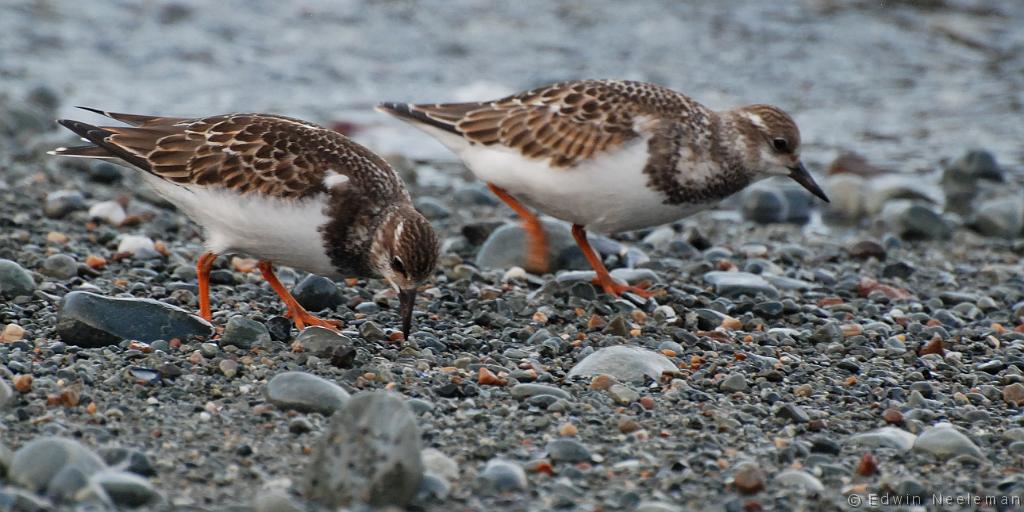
(798, 359)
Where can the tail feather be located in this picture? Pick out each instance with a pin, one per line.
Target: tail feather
(82, 152)
(407, 112)
(103, 149)
(135, 119)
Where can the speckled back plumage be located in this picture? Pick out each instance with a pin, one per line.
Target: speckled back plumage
(564, 123)
(262, 154)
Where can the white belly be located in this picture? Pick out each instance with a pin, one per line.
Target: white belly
(284, 231)
(608, 195)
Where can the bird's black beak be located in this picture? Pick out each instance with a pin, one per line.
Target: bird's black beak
(406, 301)
(800, 175)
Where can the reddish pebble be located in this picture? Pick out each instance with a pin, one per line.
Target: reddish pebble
(732, 323)
(748, 479)
(596, 322)
(752, 506)
(628, 425)
(932, 347)
(23, 383)
(1013, 394)
(486, 377)
(638, 316)
(396, 336)
(647, 402)
(601, 382)
(892, 416)
(140, 346)
(567, 430)
(95, 262)
(540, 466)
(867, 466)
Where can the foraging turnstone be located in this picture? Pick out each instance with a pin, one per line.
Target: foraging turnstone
(282, 190)
(611, 156)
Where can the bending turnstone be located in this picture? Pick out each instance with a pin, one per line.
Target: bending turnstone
(611, 156)
(282, 190)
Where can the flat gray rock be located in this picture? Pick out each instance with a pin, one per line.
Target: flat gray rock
(370, 454)
(90, 320)
(801, 479)
(305, 392)
(625, 363)
(524, 391)
(734, 284)
(885, 437)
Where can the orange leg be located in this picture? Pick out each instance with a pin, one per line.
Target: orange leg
(298, 314)
(603, 277)
(203, 267)
(537, 247)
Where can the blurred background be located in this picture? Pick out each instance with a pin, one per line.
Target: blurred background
(904, 83)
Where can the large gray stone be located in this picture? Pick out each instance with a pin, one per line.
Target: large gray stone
(960, 180)
(888, 188)
(90, 320)
(506, 246)
(60, 266)
(846, 197)
(625, 363)
(764, 204)
(502, 475)
(1002, 217)
(6, 394)
(15, 280)
(62, 202)
(126, 490)
(914, 221)
(244, 332)
(945, 441)
(317, 293)
(305, 392)
(370, 454)
(37, 462)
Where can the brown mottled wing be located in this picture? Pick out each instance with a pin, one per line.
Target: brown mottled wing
(563, 123)
(247, 153)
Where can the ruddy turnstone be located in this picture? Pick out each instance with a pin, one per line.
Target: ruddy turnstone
(281, 190)
(611, 156)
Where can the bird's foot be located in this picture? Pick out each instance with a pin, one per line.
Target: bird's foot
(303, 319)
(616, 288)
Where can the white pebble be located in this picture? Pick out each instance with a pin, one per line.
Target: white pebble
(514, 273)
(133, 244)
(110, 212)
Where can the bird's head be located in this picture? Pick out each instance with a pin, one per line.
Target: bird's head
(404, 253)
(773, 145)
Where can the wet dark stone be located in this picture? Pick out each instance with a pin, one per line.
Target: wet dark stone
(90, 320)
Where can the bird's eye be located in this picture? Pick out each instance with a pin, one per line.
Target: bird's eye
(780, 145)
(398, 266)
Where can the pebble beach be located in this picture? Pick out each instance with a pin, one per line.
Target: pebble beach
(862, 354)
